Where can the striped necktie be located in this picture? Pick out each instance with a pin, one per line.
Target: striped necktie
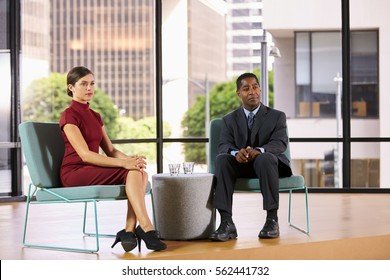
(251, 116)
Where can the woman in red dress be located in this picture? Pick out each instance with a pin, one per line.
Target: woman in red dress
(84, 133)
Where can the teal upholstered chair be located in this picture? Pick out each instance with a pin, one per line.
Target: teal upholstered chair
(289, 184)
(43, 149)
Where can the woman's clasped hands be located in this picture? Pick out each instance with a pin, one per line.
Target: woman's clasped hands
(135, 163)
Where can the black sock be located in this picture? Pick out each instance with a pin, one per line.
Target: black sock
(225, 216)
(272, 214)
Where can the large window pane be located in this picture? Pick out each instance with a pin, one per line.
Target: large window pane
(115, 39)
(369, 72)
(176, 153)
(319, 163)
(318, 62)
(369, 165)
(364, 74)
(5, 123)
(5, 172)
(5, 104)
(326, 63)
(194, 60)
(302, 59)
(302, 74)
(4, 12)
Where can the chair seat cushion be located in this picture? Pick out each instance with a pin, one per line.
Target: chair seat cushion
(83, 193)
(295, 181)
(99, 192)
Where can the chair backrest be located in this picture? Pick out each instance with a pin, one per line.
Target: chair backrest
(215, 130)
(43, 149)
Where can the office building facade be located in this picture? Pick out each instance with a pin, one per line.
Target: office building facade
(308, 86)
(115, 40)
(244, 35)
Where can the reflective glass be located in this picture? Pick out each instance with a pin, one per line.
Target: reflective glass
(369, 165)
(4, 42)
(5, 123)
(115, 40)
(319, 163)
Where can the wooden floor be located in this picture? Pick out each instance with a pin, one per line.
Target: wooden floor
(343, 226)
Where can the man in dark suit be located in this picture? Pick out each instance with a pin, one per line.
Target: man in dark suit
(252, 141)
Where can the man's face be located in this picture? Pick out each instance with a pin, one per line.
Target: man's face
(249, 93)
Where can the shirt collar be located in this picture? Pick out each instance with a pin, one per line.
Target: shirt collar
(78, 105)
(254, 111)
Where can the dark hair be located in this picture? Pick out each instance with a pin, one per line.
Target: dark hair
(75, 74)
(244, 76)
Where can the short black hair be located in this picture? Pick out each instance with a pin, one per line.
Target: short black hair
(244, 76)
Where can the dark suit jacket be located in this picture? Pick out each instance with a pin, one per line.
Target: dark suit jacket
(268, 132)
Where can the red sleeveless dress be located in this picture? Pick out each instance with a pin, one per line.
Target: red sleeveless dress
(75, 172)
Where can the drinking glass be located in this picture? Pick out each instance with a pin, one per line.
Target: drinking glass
(174, 169)
(188, 167)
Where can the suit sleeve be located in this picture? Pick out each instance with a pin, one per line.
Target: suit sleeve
(226, 138)
(278, 141)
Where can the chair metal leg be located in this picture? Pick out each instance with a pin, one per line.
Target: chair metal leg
(85, 225)
(307, 230)
(85, 219)
(26, 216)
(35, 245)
(96, 225)
(307, 211)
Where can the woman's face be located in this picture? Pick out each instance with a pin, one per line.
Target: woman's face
(83, 89)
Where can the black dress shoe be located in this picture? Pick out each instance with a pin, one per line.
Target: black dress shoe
(227, 230)
(270, 229)
(151, 239)
(128, 240)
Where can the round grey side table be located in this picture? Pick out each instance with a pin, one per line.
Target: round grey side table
(183, 205)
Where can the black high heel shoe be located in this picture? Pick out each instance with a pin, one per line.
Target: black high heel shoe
(151, 239)
(128, 240)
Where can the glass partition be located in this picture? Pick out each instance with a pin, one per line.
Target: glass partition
(369, 164)
(318, 163)
(113, 39)
(5, 124)
(194, 62)
(205, 45)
